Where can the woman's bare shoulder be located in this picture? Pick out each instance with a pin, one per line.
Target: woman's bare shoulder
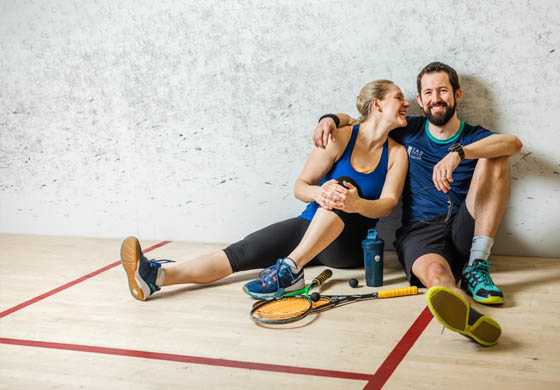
(396, 150)
(345, 131)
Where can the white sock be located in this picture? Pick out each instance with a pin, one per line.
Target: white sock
(160, 278)
(480, 248)
(295, 269)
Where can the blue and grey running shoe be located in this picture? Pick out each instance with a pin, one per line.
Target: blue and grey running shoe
(476, 281)
(276, 280)
(141, 273)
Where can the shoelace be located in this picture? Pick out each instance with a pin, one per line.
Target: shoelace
(481, 270)
(270, 273)
(163, 261)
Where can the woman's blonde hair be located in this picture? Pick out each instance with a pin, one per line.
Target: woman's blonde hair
(376, 89)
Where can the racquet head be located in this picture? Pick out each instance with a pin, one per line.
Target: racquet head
(288, 308)
(281, 310)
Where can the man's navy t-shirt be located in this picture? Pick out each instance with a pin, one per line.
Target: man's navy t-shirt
(424, 152)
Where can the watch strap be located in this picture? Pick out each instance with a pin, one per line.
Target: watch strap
(459, 149)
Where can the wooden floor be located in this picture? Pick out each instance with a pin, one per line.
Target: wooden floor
(67, 321)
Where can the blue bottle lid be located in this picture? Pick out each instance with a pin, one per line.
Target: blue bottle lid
(371, 235)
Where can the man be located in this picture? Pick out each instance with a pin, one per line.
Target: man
(470, 165)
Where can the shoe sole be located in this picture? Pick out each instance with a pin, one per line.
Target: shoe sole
(452, 310)
(130, 258)
(492, 300)
(277, 294)
(488, 301)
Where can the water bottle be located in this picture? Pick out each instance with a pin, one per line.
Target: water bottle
(373, 258)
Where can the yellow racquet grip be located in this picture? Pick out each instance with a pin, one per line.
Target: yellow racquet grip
(398, 292)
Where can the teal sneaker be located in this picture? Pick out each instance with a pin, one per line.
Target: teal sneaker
(476, 281)
(276, 280)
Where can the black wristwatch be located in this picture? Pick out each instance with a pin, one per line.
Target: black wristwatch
(457, 148)
(335, 118)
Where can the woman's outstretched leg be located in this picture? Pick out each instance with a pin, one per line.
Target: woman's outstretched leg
(202, 269)
(258, 250)
(147, 276)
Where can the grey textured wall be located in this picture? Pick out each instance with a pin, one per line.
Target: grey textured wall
(190, 120)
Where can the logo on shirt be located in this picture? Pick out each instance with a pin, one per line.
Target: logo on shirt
(414, 153)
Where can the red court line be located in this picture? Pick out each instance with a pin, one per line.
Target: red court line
(398, 353)
(375, 381)
(72, 283)
(190, 359)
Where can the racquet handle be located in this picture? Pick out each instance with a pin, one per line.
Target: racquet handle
(398, 292)
(319, 280)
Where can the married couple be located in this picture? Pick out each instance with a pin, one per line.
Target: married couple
(356, 175)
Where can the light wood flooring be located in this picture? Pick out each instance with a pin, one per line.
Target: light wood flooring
(67, 321)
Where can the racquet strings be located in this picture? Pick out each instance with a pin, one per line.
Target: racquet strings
(323, 303)
(288, 307)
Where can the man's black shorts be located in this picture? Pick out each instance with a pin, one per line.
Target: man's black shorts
(451, 239)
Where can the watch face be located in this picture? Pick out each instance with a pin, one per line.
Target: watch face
(457, 148)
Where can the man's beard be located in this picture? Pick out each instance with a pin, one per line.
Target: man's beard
(440, 120)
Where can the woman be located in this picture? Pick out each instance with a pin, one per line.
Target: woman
(348, 186)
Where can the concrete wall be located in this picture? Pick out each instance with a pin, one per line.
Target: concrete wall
(190, 120)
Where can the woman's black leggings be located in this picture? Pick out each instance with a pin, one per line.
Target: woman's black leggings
(262, 248)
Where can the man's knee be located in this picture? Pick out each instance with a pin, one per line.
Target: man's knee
(432, 270)
(496, 167)
(437, 271)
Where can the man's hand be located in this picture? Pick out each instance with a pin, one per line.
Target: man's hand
(325, 131)
(443, 171)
